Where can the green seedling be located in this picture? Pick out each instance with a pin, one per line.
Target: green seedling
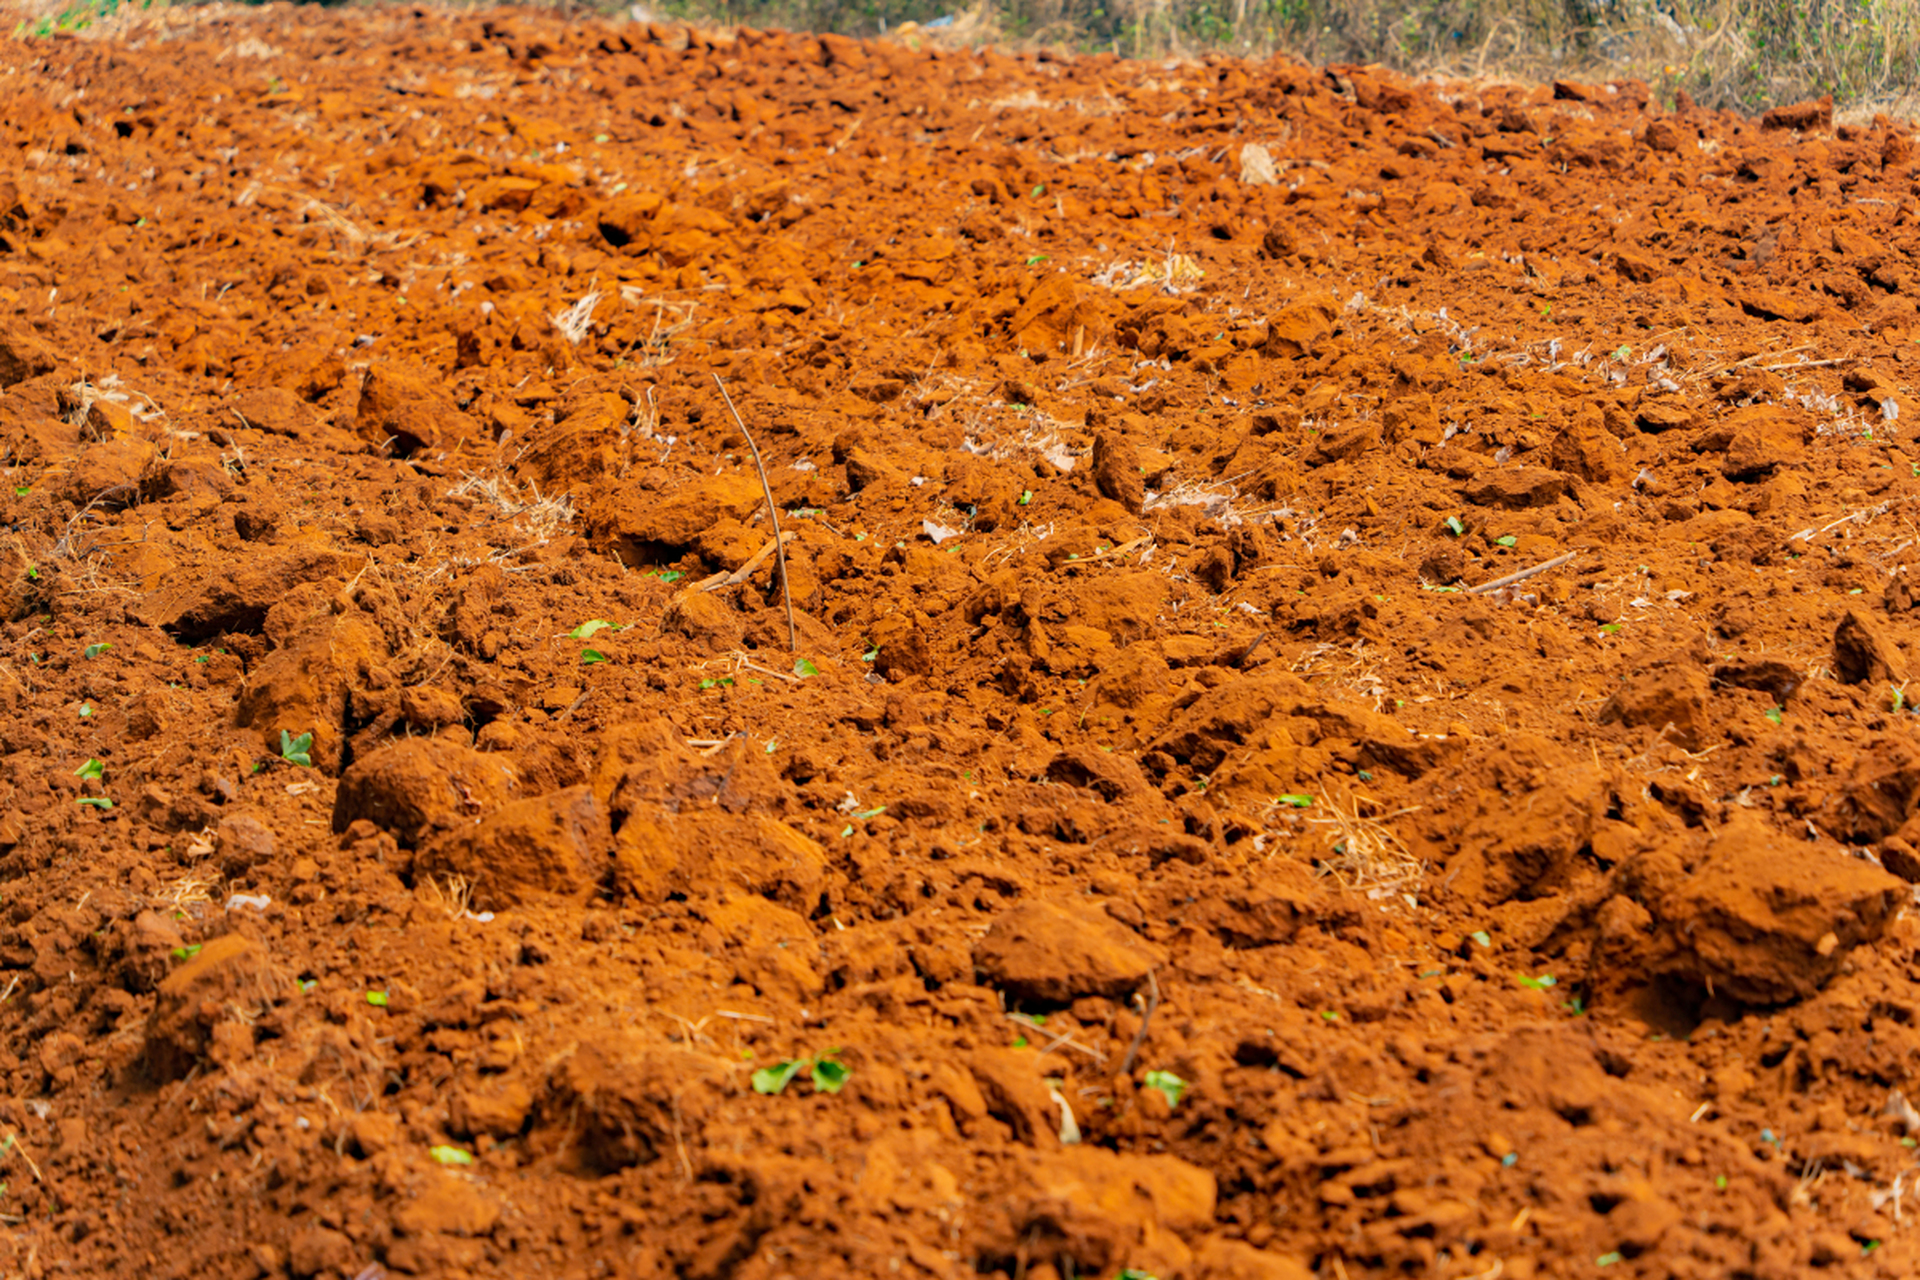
(378, 999)
(1019, 1042)
(1611, 628)
(1480, 936)
(1507, 540)
(187, 952)
(96, 802)
(1330, 1015)
(1775, 714)
(93, 768)
(711, 683)
(1134, 1273)
(1540, 983)
(1294, 801)
(586, 630)
(1454, 526)
(95, 650)
(1168, 1085)
(22, 490)
(801, 513)
(804, 667)
(828, 1075)
(1608, 1259)
(450, 1155)
(1899, 698)
(669, 576)
(297, 750)
(1026, 496)
(1509, 1160)
(874, 812)
(590, 656)
(1576, 1006)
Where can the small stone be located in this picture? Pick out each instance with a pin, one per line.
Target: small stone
(556, 845)
(1864, 653)
(421, 787)
(243, 843)
(1050, 953)
(1116, 470)
(451, 1206)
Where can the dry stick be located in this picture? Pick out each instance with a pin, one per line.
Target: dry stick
(1140, 1036)
(1512, 578)
(773, 514)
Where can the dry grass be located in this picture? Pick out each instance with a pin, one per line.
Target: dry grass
(1363, 854)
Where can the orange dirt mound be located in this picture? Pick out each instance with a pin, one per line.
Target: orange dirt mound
(1350, 713)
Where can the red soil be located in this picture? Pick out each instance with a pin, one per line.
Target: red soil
(1146, 716)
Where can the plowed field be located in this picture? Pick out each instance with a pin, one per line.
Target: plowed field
(1343, 709)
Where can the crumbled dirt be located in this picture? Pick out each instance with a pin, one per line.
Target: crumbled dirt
(1184, 822)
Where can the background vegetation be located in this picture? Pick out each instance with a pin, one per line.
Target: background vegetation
(1744, 54)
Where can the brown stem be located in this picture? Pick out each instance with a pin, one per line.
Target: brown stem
(773, 513)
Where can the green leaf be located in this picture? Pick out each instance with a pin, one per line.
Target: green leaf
(669, 576)
(95, 650)
(590, 656)
(1775, 714)
(450, 1155)
(804, 667)
(1026, 496)
(585, 630)
(1020, 1042)
(187, 952)
(1134, 1273)
(97, 802)
(1480, 936)
(874, 812)
(1170, 1086)
(1455, 527)
(1295, 801)
(1508, 540)
(777, 1077)
(1540, 983)
(22, 490)
(1608, 1259)
(91, 769)
(1611, 628)
(378, 999)
(830, 1076)
(296, 750)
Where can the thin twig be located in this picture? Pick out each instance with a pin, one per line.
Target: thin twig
(773, 513)
(1512, 578)
(1140, 1036)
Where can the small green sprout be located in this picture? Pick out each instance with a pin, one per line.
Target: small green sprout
(22, 490)
(1507, 540)
(95, 650)
(874, 812)
(804, 667)
(187, 952)
(1540, 983)
(1480, 936)
(669, 576)
(378, 999)
(1608, 1259)
(297, 750)
(1775, 714)
(586, 630)
(1293, 801)
(1019, 1042)
(1168, 1085)
(1611, 628)
(1026, 496)
(1454, 526)
(1330, 1015)
(96, 802)
(1899, 698)
(93, 768)
(450, 1155)
(828, 1075)
(711, 683)
(1039, 190)
(1134, 1273)
(590, 656)
(1720, 1181)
